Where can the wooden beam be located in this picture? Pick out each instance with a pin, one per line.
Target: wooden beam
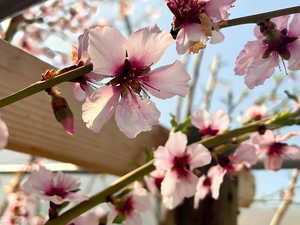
(10, 8)
(34, 130)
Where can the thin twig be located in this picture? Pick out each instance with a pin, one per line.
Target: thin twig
(194, 80)
(211, 83)
(287, 199)
(257, 18)
(179, 102)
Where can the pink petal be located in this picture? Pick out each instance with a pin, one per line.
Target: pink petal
(3, 134)
(252, 50)
(294, 60)
(220, 121)
(260, 70)
(163, 159)
(78, 92)
(216, 37)
(245, 154)
(292, 152)
(168, 185)
(176, 143)
(294, 30)
(216, 173)
(281, 22)
(83, 42)
(106, 49)
(146, 46)
(199, 156)
(201, 191)
(218, 9)
(273, 163)
(167, 81)
(201, 119)
(99, 107)
(187, 35)
(135, 114)
(287, 136)
(134, 219)
(263, 140)
(112, 214)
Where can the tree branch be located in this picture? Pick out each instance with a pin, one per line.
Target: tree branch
(42, 85)
(260, 17)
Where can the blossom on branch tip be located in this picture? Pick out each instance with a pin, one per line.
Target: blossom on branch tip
(127, 63)
(178, 162)
(275, 40)
(195, 21)
(253, 113)
(57, 188)
(210, 125)
(209, 183)
(128, 208)
(273, 150)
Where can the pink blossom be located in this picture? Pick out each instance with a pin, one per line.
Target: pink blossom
(244, 156)
(3, 134)
(275, 40)
(128, 65)
(196, 20)
(56, 188)
(209, 184)
(272, 148)
(210, 125)
(89, 219)
(129, 207)
(154, 181)
(178, 161)
(86, 84)
(255, 112)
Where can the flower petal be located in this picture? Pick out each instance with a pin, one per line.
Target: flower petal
(163, 159)
(294, 30)
(106, 49)
(201, 119)
(135, 114)
(273, 163)
(199, 156)
(201, 191)
(220, 121)
(260, 70)
(294, 60)
(146, 46)
(176, 143)
(167, 81)
(99, 107)
(216, 37)
(218, 9)
(187, 35)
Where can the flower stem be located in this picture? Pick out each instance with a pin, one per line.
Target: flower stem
(42, 85)
(274, 122)
(260, 17)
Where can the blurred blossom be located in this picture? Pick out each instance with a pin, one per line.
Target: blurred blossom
(178, 162)
(129, 207)
(210, 125)
(275, 41)
(253, 113)
(209, 183)
(57, 188)
(273, 149)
